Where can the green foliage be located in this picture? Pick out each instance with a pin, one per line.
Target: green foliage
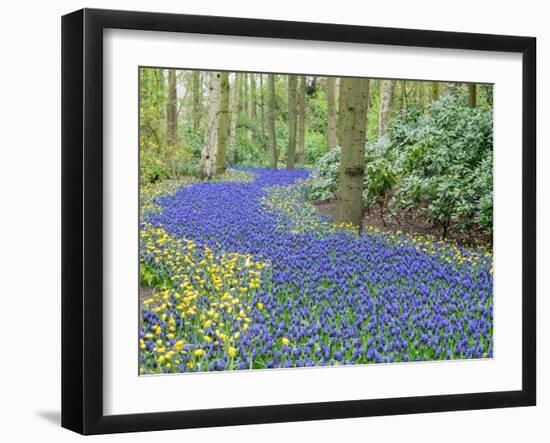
(315, 146)
(250, 152)
(151, 276)
(446, 155)
(438, 162)
(192, 142)
(323, 183)
(152, 169)
(380, 175)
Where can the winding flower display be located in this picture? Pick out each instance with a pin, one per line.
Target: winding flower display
(247, 275)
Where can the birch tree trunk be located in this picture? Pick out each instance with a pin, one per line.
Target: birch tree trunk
(270, 123)
(349, 207)
(331, 110)
(291, 149)
(301, 143)
(234, 112)
(386, 95)
(472, 95)
(197, 99)
(208, 153)
(223, 124)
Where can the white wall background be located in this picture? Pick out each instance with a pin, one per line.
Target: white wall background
(30, 219)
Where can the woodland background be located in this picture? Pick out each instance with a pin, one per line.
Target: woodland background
(424, 149)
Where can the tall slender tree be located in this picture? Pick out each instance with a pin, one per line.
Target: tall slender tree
(208, 153)
(423, 95)
(472, 95)
(435, 91)
(252, 97)
(404, 94)
(262, 107)
(331, 113)
(291, 148)
(349, 207)
(161, 91)
(223, 124)
(197, 99)
(340, 113)
(386, 95)
(171, 111)
(234, 112)
(245, 97)
(301, 108)
(270, 123)
(251, 105)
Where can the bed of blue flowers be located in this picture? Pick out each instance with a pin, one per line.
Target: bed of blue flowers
(247, 275)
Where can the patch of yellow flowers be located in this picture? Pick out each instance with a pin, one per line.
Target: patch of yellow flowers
(446, 251)
(204, 303)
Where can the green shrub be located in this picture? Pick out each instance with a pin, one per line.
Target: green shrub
(437, 161)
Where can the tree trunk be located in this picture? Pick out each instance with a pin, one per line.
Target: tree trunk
(160, 86)
(208, 153)
(301, 146)
(291, 149)
(171, 111)
(253, 97)
(386, 95)
(340, 109)
(331, 111)
(234, 112)
(472, 95)
(223, 124)
(271, 141)
(245, 98)
(422, 94)
(197, 99)
(435, 91)
(262, 108)
(251, 106)
(349, 207)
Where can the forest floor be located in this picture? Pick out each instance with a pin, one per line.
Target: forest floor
(408, 223)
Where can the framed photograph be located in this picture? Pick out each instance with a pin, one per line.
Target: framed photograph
(269, 221)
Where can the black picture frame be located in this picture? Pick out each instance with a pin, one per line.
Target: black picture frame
(82, 218)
